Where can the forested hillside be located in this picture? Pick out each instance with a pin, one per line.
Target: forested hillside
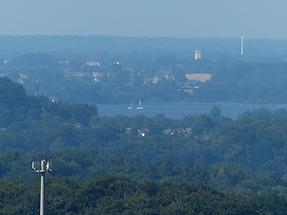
(246, 156)
(122, 70)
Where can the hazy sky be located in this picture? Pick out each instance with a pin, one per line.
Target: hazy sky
(180, 18)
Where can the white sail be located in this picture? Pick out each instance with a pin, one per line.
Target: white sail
(140, 107)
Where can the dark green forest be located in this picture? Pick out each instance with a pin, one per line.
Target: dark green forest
(201, 164)
(111, 196)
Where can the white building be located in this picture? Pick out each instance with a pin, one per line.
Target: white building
(93, 63)
(197, 55)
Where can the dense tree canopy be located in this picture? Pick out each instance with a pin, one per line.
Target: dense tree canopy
(111, 195)
(244, 158)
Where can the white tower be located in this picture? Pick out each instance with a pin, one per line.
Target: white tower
(197, 55)
(242, 45)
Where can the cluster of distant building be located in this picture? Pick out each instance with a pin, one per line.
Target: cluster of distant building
(143, 132)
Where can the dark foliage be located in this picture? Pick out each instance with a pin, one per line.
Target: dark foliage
(246, 156)
(108, 195)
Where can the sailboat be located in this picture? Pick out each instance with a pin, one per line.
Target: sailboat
(140, 107)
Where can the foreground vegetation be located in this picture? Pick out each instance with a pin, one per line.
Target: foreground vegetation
(111, 196)
(244, 158)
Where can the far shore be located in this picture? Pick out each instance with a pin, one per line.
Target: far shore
(198, 103)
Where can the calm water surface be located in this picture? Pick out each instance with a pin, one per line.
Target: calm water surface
(178, 111)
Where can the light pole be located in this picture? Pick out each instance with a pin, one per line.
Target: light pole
(42, 168)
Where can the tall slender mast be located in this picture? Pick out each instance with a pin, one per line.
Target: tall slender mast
(242, 45)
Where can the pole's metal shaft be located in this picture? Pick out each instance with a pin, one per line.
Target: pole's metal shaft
(42, 194)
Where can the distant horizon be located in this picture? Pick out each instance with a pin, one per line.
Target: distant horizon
(138, 36)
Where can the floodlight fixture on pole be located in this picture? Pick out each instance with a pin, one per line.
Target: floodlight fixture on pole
(42, 168)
